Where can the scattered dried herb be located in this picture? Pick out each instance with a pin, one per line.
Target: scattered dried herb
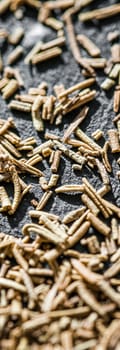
(52, 295)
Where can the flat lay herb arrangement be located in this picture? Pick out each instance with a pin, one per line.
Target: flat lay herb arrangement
(59, 175)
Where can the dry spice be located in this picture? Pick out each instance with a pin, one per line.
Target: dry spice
(116, 104)
(101, 13)
(74, 46)
(45, 107)
(107, 84)
(53, 180)
(114, 140)
(10, 72)
(115, 71)
(79, 86)
(10, 144)
(96, 62)
(10, 88)
(60, 4)
(15, 37)
(88, 45)
(52, 295)
(33, 323)
(20, 106)
(3, 83)
(33, 52)
(54, 23)
(88, 202)
(44, 200)
(55, 162)
(115, 52)
(15, 54)
(98, 224)
(37, 121)
(97, 134)
(46, 55)
(69, 188)
(4, 5)
(58, 42)
(113, 35)
(1, 63)
(73, 215)
(4, 199)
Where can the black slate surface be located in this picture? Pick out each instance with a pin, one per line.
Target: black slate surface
(61, 70)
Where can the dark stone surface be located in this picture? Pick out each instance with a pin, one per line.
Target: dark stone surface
(61, 70)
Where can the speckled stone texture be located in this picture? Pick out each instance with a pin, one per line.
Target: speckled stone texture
(61, 70)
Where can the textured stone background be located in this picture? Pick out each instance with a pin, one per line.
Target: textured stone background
(61, 70)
